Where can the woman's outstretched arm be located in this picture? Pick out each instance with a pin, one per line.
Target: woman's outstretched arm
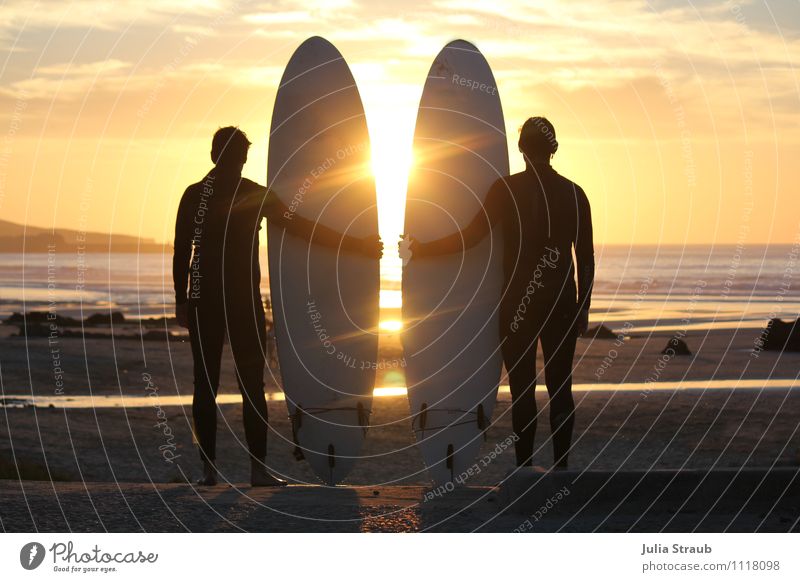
(480, 225)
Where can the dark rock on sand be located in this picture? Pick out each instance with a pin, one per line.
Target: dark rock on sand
(105, 318)
(46, 319)
(40, 318)
(676, 347)
(781, 336)
(600, 332)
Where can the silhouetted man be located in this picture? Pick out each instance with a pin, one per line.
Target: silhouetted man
(543, 217)
(217, 290)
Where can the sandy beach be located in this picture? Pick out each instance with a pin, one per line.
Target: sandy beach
(641, 428)
(653, 426)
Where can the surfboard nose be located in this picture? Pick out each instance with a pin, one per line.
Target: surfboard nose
(461, 44)
(316, 43)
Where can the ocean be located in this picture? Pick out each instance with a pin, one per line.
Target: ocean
(639, 288)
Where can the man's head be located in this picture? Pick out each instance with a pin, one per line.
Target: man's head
(537, 139)
(229, 147)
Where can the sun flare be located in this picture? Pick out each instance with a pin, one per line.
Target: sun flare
(391, 325)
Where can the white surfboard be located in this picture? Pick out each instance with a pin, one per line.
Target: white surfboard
(450, 302)
(325, 302)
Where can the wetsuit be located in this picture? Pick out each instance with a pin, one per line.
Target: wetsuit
(215, 269)
(544, 217)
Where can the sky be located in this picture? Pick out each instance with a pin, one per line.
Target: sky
(679, 119)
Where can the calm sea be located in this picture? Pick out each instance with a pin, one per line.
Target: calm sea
(640, 288)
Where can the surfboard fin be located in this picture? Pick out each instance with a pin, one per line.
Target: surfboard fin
(297, 422)
(449, 460)
(480, 416)
(363, 417)
(423, 418)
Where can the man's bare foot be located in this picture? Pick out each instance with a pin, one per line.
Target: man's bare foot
(209, 478)
(261, 477)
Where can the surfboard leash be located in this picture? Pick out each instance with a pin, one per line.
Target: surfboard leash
(296, 418)
(421, 418)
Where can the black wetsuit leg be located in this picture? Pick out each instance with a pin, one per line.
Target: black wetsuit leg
(247, 333)
(519, 356)
(521, 366)
(558, 339)
(206, 333)
(554, 328)
(245, 323)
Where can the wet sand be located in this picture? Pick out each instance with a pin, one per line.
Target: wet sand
(105, 366)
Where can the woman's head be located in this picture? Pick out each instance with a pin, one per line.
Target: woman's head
(537, 139)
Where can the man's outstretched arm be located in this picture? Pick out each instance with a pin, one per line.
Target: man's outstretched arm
(277, 213)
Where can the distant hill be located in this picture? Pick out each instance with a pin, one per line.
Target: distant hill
(18, 238)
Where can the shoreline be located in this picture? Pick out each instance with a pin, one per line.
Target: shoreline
(696, 387)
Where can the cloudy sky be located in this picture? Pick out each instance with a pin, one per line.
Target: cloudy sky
(679, 119)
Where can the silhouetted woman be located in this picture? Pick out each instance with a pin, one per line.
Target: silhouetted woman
(543, 217)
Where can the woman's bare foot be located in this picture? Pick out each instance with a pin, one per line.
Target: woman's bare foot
(261, 477)
(209, 478)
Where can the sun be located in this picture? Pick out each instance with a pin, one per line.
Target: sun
(392, 158)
